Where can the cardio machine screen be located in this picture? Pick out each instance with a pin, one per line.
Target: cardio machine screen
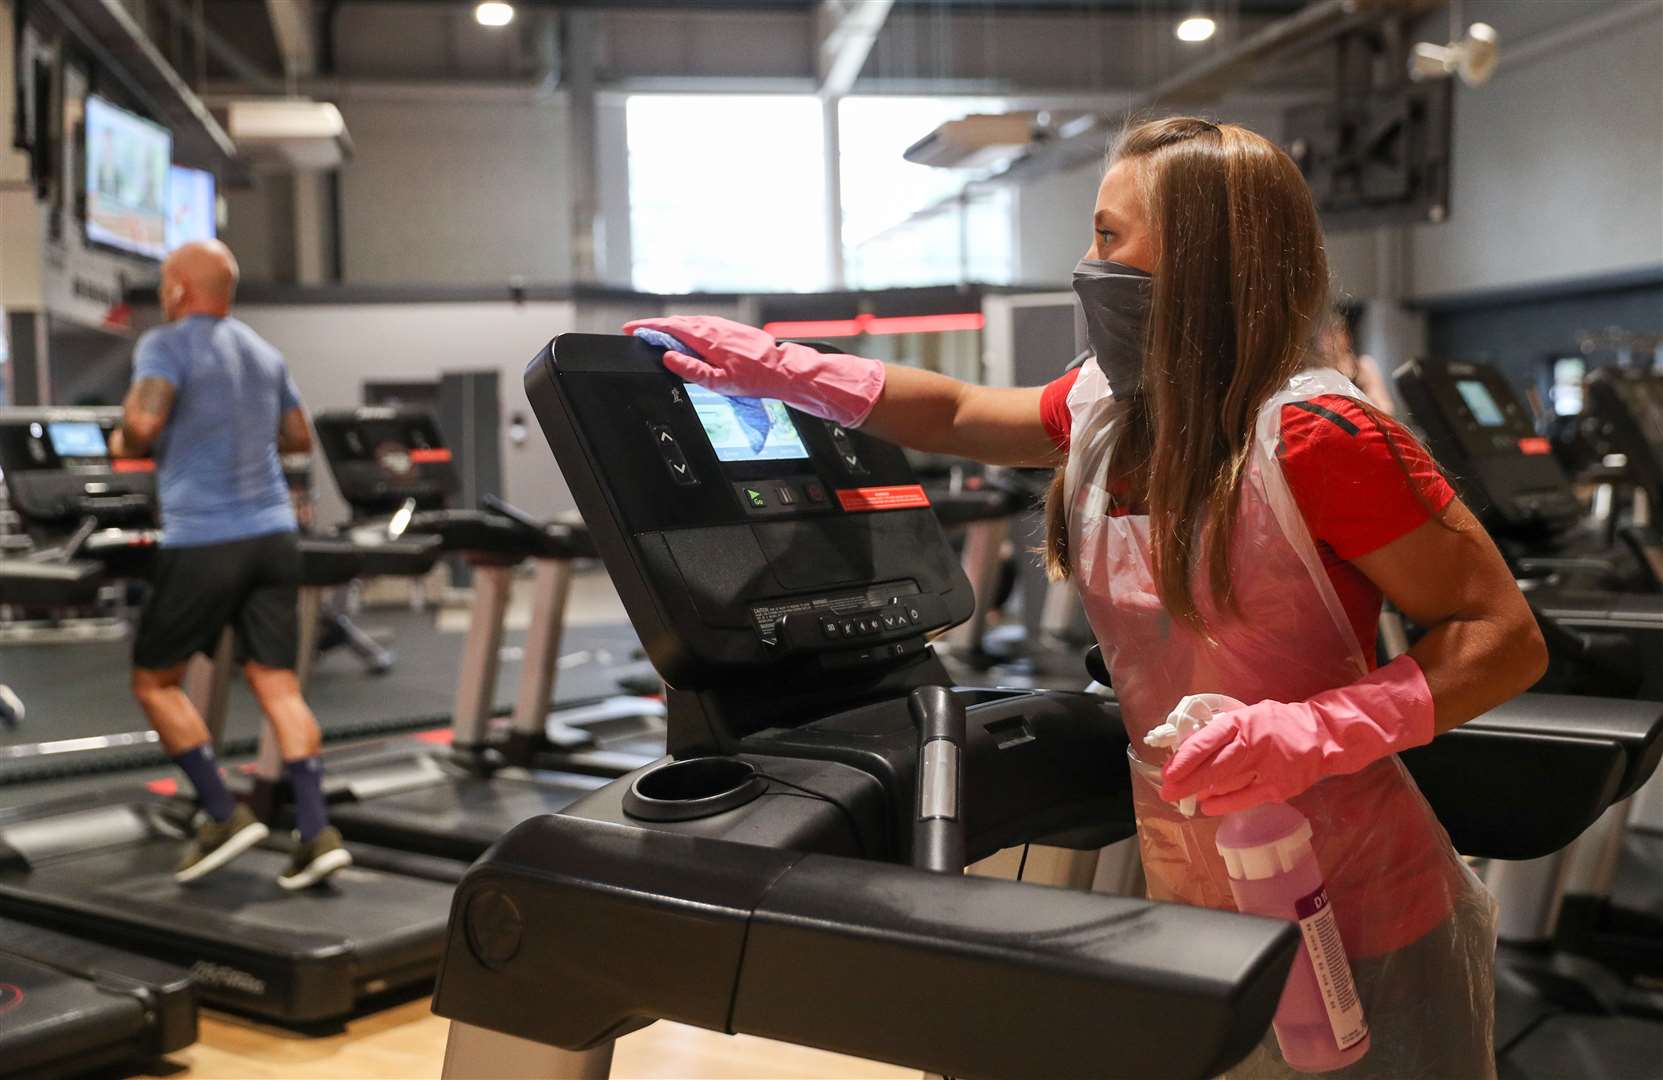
(1478, 399)
(747, 428)
(77, 439)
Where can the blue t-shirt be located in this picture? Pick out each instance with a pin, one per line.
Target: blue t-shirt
(216, 460)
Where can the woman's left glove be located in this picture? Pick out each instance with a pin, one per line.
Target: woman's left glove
(742, 361)
(1274, 750)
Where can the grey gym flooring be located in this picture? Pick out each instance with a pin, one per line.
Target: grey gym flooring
(78, 690)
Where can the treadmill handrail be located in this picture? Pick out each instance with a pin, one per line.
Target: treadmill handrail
(1024, 980)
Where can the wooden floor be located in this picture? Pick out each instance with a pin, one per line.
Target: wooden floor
(409, 1041)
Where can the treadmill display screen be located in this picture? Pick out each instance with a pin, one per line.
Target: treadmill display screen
(1478, 399)
(747, 428)
(77, 439)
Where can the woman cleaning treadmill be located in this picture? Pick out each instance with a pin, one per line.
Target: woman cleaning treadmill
(1233, 512)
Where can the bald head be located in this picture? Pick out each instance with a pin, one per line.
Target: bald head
(198, 279)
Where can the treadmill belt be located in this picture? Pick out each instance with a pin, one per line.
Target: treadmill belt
(243, 896)
(460, 817)
(250, 945)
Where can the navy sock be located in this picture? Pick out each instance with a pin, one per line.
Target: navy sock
(306, 781)
(203, 769)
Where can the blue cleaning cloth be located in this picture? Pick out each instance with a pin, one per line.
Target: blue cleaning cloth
(750, 412)
(658, 339)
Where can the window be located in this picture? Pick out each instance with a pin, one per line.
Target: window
(883, 243)
(726, 193)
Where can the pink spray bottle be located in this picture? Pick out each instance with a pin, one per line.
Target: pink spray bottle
(1273, 871)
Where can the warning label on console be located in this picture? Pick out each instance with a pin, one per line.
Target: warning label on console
(901, 497)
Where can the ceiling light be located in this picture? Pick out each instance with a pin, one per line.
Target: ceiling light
(494, 13)
(1196, 28)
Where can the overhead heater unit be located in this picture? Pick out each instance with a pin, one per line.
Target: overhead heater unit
(977, 140)
(289, 134)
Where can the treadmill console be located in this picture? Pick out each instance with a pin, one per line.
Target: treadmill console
(59, 470)
(381, 457)
(1624, 409)
(1479, 429)
(753, 545)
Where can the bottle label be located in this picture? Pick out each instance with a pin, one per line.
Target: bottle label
(1339, 989)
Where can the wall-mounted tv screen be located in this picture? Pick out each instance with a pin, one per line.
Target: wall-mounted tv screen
(190, 206)
(127, 159)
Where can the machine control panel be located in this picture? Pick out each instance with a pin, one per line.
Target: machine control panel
(59, 469)
(381, 456)
(1490, 417)
(1480, 430)
(745, 538)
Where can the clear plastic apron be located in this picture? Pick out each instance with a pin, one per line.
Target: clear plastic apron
(1418, 925)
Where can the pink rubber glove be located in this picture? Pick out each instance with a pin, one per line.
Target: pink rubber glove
(1272, 751)
(742, 361)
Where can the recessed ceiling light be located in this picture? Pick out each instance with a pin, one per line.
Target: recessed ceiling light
(1194, 28)
(494, 13)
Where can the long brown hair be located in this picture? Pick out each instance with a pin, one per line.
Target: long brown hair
(1240, 288)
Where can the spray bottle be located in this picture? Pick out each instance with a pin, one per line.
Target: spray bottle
(1273, 871)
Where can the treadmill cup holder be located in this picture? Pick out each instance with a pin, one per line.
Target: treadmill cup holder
(693, 788)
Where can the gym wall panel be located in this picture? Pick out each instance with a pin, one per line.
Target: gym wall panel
(1558, 167)
(1521, 334)
(333, 349)
(260, 228)
(467, 193)
(1053, 224)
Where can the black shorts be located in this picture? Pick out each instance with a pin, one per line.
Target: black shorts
(249, 585)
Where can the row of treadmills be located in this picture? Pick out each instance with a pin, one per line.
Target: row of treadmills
(758, 879)
(99, 867)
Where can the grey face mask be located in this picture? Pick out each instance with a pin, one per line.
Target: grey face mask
(1112, 319)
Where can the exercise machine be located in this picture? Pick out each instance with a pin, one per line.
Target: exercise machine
(100, 866)
(1569, 939)
(791, 872)
(772, 852)
(71, 1007)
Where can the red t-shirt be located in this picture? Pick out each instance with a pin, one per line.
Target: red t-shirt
(1354, 495)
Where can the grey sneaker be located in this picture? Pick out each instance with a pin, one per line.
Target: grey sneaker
(312, 862)
(218, 842)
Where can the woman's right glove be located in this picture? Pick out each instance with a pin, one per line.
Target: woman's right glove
(741, 361)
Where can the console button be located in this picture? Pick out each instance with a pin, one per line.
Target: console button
(913, 615)
(846, 450)
(848, 627)
(786, 494)
(754, 498)
(830, 628)
(670, 451)
(815, 492)
(889, 621)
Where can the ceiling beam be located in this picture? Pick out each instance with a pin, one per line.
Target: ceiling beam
(847, 29)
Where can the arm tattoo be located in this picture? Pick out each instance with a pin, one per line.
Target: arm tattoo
(145, 413)
(152, 396)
